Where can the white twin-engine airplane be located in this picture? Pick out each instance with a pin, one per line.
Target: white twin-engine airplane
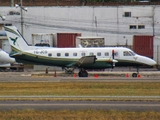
(5, 59)
(67, 58)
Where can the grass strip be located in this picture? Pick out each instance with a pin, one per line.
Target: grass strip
(81, 88)
(31, 114)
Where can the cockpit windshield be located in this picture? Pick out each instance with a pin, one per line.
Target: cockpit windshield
(128, 53)
(131, 52)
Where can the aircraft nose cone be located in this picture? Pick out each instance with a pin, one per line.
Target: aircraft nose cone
(146, 60)
(152, 62)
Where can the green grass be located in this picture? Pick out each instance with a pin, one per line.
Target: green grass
(80, 88)
(78, 115)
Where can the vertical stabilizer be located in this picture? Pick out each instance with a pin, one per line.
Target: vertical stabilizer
(16, 40)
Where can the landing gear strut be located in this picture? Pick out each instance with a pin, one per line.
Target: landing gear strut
(83, 73)
(69, 70)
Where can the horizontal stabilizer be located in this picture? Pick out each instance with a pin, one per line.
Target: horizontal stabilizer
(17, 54)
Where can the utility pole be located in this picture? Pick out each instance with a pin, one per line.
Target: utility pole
(12, 3)
(153, 14)
(21, 17)
(22, 8)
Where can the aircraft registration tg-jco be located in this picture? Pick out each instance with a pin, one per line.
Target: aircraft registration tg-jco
(67, 58)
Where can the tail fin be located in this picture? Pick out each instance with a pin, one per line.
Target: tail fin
(16, 40)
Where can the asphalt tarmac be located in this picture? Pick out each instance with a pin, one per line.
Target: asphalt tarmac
(80, 105)
(150, 76)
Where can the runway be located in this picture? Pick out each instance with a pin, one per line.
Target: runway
(80, 105)
(73, 79)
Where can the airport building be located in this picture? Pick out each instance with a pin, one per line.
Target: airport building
(126, 26)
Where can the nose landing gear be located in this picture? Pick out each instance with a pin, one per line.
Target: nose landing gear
(136, 74)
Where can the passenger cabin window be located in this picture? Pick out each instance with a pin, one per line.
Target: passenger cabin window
(66, 54)
(58, 54)
(83, 54)
(99, 54)
(106, 53)
(91, 53)
(74, 54)
(49, 54)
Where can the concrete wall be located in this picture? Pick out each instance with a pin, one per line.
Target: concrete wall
(108, 22)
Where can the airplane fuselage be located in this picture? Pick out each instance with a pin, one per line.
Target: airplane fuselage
(63, 57)
(83, 58)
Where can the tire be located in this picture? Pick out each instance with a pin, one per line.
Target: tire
(134, 75)
(83, 74)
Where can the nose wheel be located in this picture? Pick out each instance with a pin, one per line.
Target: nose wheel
(136, 74)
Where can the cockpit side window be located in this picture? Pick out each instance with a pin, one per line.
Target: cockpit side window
(128, 53)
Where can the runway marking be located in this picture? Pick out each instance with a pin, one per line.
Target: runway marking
(52, 96)
(55, 104)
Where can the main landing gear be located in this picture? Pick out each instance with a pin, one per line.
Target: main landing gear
(69, 70)
(83, 73)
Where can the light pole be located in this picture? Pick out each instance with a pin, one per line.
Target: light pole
(22, 8)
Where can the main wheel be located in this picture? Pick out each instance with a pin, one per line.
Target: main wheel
(83, 73)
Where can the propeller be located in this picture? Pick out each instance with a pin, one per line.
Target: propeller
(112, 54)
(113, 63)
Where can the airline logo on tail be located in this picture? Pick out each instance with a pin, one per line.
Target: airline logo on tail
(13, 39)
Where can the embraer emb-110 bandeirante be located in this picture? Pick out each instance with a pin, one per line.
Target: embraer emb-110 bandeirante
(82, 58)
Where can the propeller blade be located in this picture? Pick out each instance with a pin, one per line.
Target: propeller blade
(112, 54)
(113, 64)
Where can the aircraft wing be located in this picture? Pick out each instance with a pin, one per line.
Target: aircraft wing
(86, 60)
(83, 61)
(91, 61)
